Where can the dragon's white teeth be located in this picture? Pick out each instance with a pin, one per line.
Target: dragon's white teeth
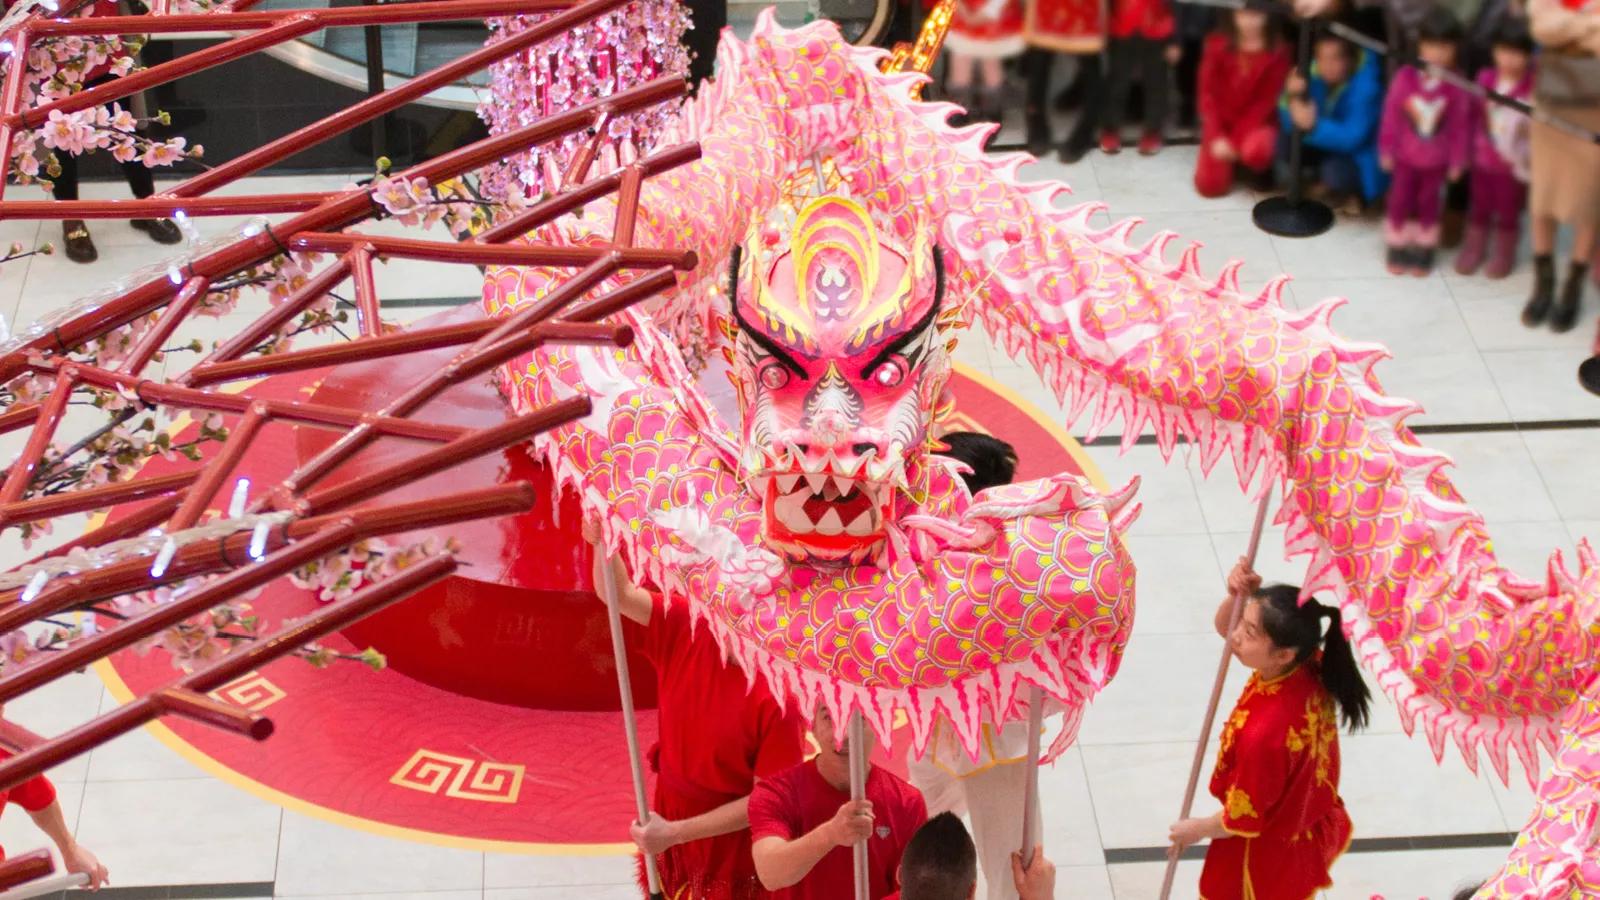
(850, 467)
(861, 525)
(830, 523)
(816, 482)
(786, 483)
(843, 485)
(792, 513)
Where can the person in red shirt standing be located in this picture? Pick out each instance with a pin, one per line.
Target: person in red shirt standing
(37, 797)
(718, 737)
(1141, 41)
(803, 824)
(1242, 71)
(1282, 823)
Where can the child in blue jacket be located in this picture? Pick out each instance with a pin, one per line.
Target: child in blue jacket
(1338, 108)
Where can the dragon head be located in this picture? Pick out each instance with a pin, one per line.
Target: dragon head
(839, 362)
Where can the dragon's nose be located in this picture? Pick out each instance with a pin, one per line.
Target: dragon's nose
(831, 426)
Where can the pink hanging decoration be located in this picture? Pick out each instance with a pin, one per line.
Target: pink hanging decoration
(618, 51)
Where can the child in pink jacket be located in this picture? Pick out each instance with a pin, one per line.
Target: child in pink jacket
(1423, 139)
(1501, 157)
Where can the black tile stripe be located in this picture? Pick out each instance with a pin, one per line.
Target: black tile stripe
(1147, 440)
(1125, 855)
(173, 892)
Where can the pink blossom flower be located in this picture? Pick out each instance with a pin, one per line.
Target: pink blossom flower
(122, 65)
(164, 153)
(120, 119)
(125, 151)
(62, 132)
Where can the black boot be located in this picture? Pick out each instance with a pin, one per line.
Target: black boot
(1566, 311)
(990, 105)
(1036, 66)
(1544, 291)
(962, 97)
(1038, 133)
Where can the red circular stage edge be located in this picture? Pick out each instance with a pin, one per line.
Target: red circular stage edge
(495, 727)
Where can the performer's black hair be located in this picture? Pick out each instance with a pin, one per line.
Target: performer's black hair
(992, 461)
(1298, 627)
(1469, 892)
(940, 862)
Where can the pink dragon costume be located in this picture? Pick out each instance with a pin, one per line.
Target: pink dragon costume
(844, 234)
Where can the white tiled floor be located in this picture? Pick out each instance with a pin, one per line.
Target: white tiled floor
(1458, 350)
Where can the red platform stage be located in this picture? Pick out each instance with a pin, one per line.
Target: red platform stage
(494, 726)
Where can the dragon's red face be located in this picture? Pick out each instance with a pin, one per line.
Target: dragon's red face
(839, 363)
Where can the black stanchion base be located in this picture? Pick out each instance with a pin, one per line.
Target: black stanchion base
(1589, 374)
(1287, 218)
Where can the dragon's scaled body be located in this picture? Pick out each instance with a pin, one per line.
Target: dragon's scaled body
(867, 232)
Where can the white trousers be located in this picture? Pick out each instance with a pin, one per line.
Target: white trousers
(991, 795)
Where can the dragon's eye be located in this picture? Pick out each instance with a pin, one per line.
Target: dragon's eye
(773, 376)
(891, 373)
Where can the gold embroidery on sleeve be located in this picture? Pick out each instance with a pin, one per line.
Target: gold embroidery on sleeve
(1239, 805)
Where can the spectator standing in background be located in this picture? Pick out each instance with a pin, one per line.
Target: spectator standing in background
(983, 35)
(1501, 158)
(1425, 141)
(1566, 169)
(1074, 28)
(75, 235)
(1142, 42)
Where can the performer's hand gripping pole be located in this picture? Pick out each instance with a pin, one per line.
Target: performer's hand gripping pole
(608, 585)
(858, 791)
(1216, 691)
(1030, 794)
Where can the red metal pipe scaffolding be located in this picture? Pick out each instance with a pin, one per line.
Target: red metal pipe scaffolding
(309, 524)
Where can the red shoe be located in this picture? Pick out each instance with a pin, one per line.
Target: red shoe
(1150, 143)
(1110, 142)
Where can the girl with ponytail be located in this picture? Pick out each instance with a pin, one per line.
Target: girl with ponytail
(1282, 822)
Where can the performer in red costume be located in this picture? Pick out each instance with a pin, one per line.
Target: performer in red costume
(718, 737)
(1282, 822)
(37, 797)
(804, 824)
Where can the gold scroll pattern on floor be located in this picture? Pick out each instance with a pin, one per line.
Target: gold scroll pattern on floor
(432, 772)
(251, 690)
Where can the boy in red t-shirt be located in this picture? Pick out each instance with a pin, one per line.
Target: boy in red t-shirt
(803, 823)
(37, 796)
(718, 736)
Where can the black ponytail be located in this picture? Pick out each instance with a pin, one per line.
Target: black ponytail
(1298, 627)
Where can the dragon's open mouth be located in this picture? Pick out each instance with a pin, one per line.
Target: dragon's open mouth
(823, 515)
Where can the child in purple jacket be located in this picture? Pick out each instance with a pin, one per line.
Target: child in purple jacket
(1424, 138)
(1501, 157)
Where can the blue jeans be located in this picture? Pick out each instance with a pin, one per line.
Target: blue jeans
(1337, 172)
